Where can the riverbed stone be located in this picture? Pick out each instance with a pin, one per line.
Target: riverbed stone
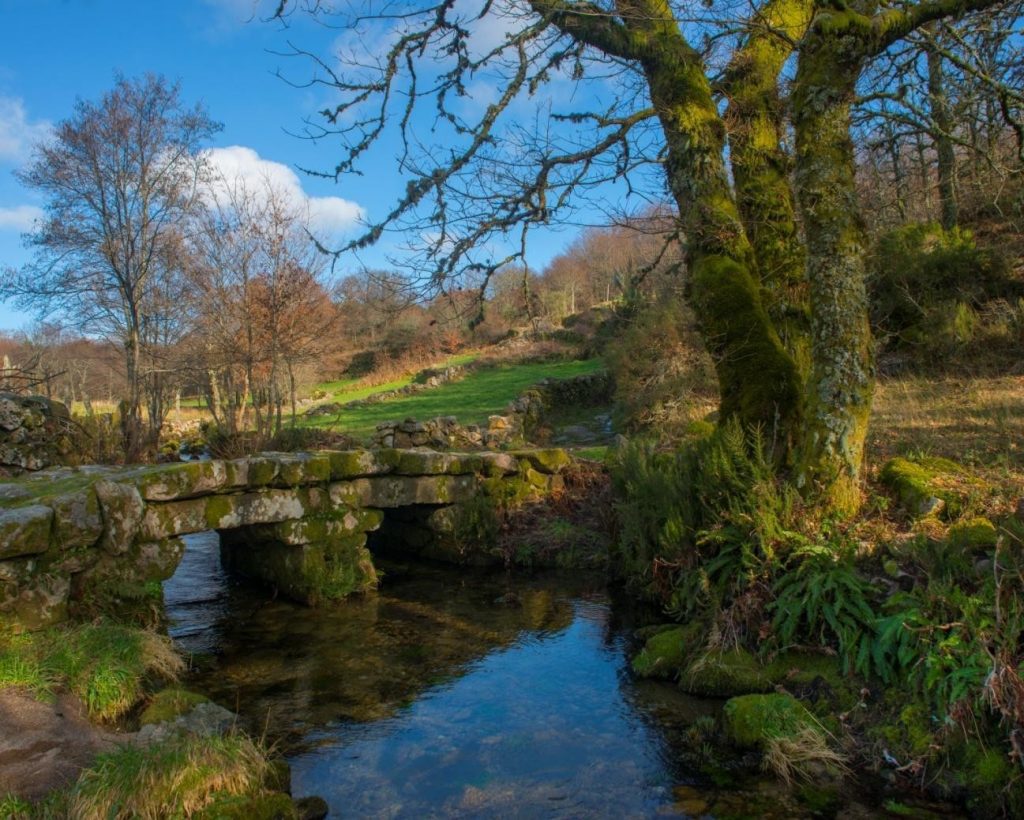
(25, 530)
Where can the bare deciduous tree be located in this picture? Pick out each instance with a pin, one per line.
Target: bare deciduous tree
(119, 176)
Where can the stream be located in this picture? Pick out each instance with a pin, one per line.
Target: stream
(454, 693)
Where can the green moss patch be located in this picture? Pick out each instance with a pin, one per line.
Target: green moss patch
(752, 720)
(931, 486)
(973, 534)
(667, 654)
(723, 674)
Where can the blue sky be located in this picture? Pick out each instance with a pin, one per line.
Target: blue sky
(54, 51)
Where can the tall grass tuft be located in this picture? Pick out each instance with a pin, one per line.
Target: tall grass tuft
(103, 663)
(178, 778)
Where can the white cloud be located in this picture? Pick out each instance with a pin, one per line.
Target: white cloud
(17, 134)
(20, 217)
(243, 167)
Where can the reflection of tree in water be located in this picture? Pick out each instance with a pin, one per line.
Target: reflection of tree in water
(288, 669)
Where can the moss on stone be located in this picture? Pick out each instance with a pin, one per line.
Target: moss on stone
(930, 486)
(261, 472)
(271, 806)
(667, 654)
(548, 461)
(973, 534)
(219, 508)
(25, 530)
(724, 674)
(169, 704)
(752, 720)
(76, 519)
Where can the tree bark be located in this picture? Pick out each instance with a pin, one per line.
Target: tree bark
(842, 372)
(755, 118)
(759, 382)
(942, 119)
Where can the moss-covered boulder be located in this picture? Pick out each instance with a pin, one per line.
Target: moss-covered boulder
(666, 654)
(25, 530)
(269, 806)
(724, 674)
(169, 704)
(973, 535)
(549, 461)
(752, 720)
(931, 486)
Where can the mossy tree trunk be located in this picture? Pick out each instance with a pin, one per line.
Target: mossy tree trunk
(758, 379)
(842, 373)
(942, 129)
(744, 252)
(756, 122)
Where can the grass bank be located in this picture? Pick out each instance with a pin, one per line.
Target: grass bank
(471, 400)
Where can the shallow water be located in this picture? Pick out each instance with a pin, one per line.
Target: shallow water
(452, 693)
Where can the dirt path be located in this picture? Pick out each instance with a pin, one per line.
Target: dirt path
(44, 745)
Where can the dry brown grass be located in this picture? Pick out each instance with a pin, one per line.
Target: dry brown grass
(802, 756)
(977, 421)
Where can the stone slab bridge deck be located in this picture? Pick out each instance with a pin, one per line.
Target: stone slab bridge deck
(91, 536)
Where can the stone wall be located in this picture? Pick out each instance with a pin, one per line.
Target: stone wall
(74, 537)
(34, 433)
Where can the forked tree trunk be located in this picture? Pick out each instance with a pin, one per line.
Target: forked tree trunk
(760, 166)
(758, 380)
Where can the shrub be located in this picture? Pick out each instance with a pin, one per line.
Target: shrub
(663, 377)
(930, 289)
(700, 524)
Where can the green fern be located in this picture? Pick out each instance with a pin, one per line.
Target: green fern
(824, 601)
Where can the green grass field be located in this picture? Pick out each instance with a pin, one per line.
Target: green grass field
(470, 400)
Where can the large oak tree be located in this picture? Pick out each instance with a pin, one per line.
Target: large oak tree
(690, 92)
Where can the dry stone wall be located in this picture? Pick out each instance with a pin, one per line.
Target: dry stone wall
(71, 536)
(34, 433)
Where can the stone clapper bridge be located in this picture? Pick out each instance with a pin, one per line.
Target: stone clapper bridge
(296, 521)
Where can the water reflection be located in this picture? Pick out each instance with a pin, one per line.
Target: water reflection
(450, 693)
